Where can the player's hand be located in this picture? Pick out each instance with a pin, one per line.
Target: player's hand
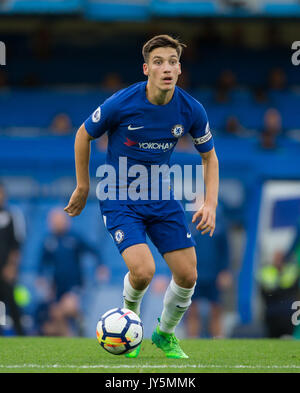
(77, 202)
(208, 219)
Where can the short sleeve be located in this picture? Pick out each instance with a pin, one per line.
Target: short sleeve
(200, 131)
(103, 118)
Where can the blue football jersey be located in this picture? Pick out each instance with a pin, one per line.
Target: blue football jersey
(146, 134)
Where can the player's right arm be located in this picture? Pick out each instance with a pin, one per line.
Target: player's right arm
(82, 158)
(105, 117)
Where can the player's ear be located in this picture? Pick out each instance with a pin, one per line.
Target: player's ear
(179, 64)
(145, 69)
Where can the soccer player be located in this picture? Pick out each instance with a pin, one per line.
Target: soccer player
(144, 122)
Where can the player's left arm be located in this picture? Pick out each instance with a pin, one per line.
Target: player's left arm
(207, 211)
(203, 141)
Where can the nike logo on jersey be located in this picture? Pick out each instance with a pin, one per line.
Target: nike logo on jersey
(188, 235)
(130, 128)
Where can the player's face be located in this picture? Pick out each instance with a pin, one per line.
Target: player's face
(163, 68)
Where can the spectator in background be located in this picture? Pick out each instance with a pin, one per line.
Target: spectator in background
(225, 84)
(112, 82)
(9, 262)
(277, 79)
(214, 276)
(233, 126)
(279, 285)
(260, 95)
(293, 252)
(272, 128)
(61, 124)
(61, 277)
(292, 255)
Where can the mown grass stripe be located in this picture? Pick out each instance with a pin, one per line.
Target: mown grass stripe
(71, 366)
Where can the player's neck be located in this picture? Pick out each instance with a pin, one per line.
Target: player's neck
(157, 96)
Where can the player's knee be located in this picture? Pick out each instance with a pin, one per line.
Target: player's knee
(188, 279)
(142, 276)
(190, 282)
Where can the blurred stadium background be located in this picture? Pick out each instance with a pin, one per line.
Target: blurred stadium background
(63, 58)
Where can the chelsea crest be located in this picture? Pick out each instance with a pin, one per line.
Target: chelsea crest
(119, 236)
(177, 130)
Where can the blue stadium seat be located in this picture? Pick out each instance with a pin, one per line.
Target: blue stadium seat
(38, 107)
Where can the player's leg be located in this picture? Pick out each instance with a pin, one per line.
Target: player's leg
(176, 301)
(126, 226)
(170, 233)
(141, 266)
(183, 265)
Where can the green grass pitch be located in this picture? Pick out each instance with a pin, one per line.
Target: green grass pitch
(85, 355)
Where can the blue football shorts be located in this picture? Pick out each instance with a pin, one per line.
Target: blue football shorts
(163, 221)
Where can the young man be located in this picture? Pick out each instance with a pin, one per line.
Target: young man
(144, 123)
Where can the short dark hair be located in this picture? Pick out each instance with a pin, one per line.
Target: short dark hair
(162, 41)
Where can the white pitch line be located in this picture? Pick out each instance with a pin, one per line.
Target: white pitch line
(145, 366)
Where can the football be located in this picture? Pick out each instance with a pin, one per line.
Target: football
(119, 331)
